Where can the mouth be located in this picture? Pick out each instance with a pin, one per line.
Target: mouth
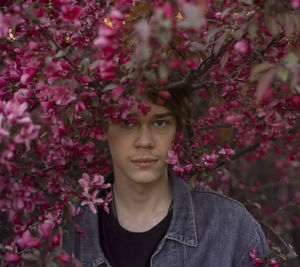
(144, 162)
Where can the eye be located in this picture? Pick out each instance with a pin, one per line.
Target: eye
(160, 123)
(129, 123)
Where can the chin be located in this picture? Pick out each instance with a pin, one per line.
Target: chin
(147, 176)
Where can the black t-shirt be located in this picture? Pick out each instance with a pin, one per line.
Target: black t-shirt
(123, 248)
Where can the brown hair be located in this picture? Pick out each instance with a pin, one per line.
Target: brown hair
(178, 104)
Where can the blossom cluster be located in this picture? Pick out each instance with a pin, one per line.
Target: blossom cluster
(67, 66)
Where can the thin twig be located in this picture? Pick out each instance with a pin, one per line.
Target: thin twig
(176, 50)
(292, 203)
(58, 47)
(286, 245)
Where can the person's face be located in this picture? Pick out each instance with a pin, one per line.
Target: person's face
(139, 149)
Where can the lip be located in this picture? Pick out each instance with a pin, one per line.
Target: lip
(144, 162)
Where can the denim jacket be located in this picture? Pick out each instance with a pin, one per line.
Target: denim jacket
(207, 230)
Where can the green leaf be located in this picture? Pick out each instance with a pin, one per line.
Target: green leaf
(52, 264)
(220, 42)
(263, 83)
(291, 255)
(60, 54)
(247, 2)
(291, 58)
(84, 65)
(150, 76)
(282, 73)
(30, 257)
(253, 29)
(211, 33)
(48, 60)
(94, 64)
(226, 11)
(197, 47)
(109, 87)
(275, 250)
(192, 17)
(163, 71)
(258, 69)
(224, 59)
(272, 25)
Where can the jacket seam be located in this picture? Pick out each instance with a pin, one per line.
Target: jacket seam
(255, 241)
(211, 192)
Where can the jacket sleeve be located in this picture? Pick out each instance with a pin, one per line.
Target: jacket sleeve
(258, 244)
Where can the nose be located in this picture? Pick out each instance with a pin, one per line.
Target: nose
(144, 138)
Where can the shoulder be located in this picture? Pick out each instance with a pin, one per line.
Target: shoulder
(222, 209)
(228, 221)
(206, 198)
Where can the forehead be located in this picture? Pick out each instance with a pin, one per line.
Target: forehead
(141, 109)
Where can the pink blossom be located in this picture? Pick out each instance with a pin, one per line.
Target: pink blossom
(191, 64)
(28, 241)
(27, 134)
(55, 241)
(257, 262)
(218, 15)
(209, 160)
(28, 75)
(273, 119)
(178, 169)
(73, 210)
(45, 229)
(165, 94)
(295, 3)
(107, 70)
(3, 82)
(97, 133)
(5, 24)
(91, 200)
(12, 258)
(64, 258)
(98, 180)
(168, 10)
(188, 167)
(39, 12)
(116, 15)
(117, 92)
(107, 201)
(226, 151)
(273, 263)
(53, 217)
(172, 158)
(79, 107)
(233, 118)
(143, 108)
(85, 181)
(241, 47)
(71, 13)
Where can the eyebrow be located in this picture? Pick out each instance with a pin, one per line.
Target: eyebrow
(155, 116)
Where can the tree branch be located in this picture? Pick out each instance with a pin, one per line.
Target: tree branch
(176, 50)
(58, 47)
(286, 245)
(291, 203)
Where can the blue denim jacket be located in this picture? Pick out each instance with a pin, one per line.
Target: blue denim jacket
(207, 229)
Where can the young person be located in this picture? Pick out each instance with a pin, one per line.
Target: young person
(155, 218)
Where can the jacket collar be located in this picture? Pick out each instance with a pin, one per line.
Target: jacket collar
(182, 227)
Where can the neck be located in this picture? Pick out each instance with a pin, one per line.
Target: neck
(139, 207)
